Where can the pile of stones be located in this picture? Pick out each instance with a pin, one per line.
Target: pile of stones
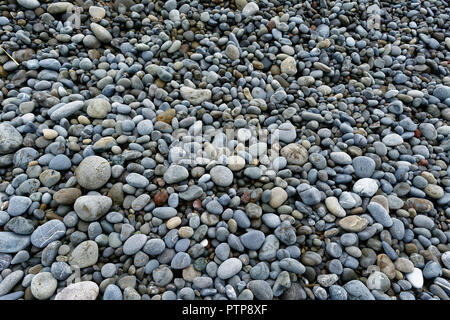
(242, 149)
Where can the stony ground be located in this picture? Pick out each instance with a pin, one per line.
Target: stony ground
(119, 178)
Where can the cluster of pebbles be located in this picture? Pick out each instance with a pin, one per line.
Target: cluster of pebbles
(118, 179)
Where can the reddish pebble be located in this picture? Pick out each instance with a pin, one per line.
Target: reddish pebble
(245, 198)
(161, 197)
(197, 204)
(423, 162)
(417, 133)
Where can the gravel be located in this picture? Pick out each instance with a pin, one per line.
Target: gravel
(181, 150)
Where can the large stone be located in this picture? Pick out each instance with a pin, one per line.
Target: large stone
(289, 66)
(43, 285)
(12, 243)
(295, 154)
(93, 172)
(278, 197)
(195, 96)
(175, 173)
(222, 176)
(98, 108)
(353, 223)
(84, 255)
(85, 290)
(101, 33)
(91, 208)
(10, 138)
(50, 231)
(229, 268)
(67, 196)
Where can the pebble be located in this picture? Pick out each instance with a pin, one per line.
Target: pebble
(84, 290)
(43, 285)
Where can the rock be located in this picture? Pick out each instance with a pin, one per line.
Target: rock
(10, 138)
(195, 96)
(180, 261)
(334, 207)
(84, 290)
(229, 268)
(392, 140)
(175, 174)
(253, 240)
(112, 292)
(415, 278)
(50, 231)
(43, 285)
(18, 205)
(380, 214)
(364, 166)
(378, 281)
(101, 33)
(288, 66)
(365, 187)
(93, 172)
(358, 291)
(97, 13)
(10, 281)
(134, 244)
(12, 243)
(98, 108)
(232, 52)
(84, 255)
(29, 4)
(292, 265)
(295, 154)
(67, 196)
(250, 9)
(66, 110)
(278, 197)
(222, 176)
(260, 289)
(353, 223)
(91, 208)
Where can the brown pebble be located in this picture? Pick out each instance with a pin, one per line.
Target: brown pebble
(161, 197)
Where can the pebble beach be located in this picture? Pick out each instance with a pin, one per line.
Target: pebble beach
(224, 150)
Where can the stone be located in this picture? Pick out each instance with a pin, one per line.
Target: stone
(101, 33)
(43, 285)
(278, 197)
(334, 207)
(415, 278)
(10, 138)
(260, 289)
(229, 268)
(295, 154)
(84, 290)
(48, 232)
(289, 66)
(222, 176)
(91, 208)
(253, 239)
(175, 174)
(353, 223)
(98, 108)
(84, 255)
(10, 281)
(134, 243)
(12, 243)
(356, 290)
(93, 172)
(18, 205)
(365, 187)
(195, 96)
(67, 196)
